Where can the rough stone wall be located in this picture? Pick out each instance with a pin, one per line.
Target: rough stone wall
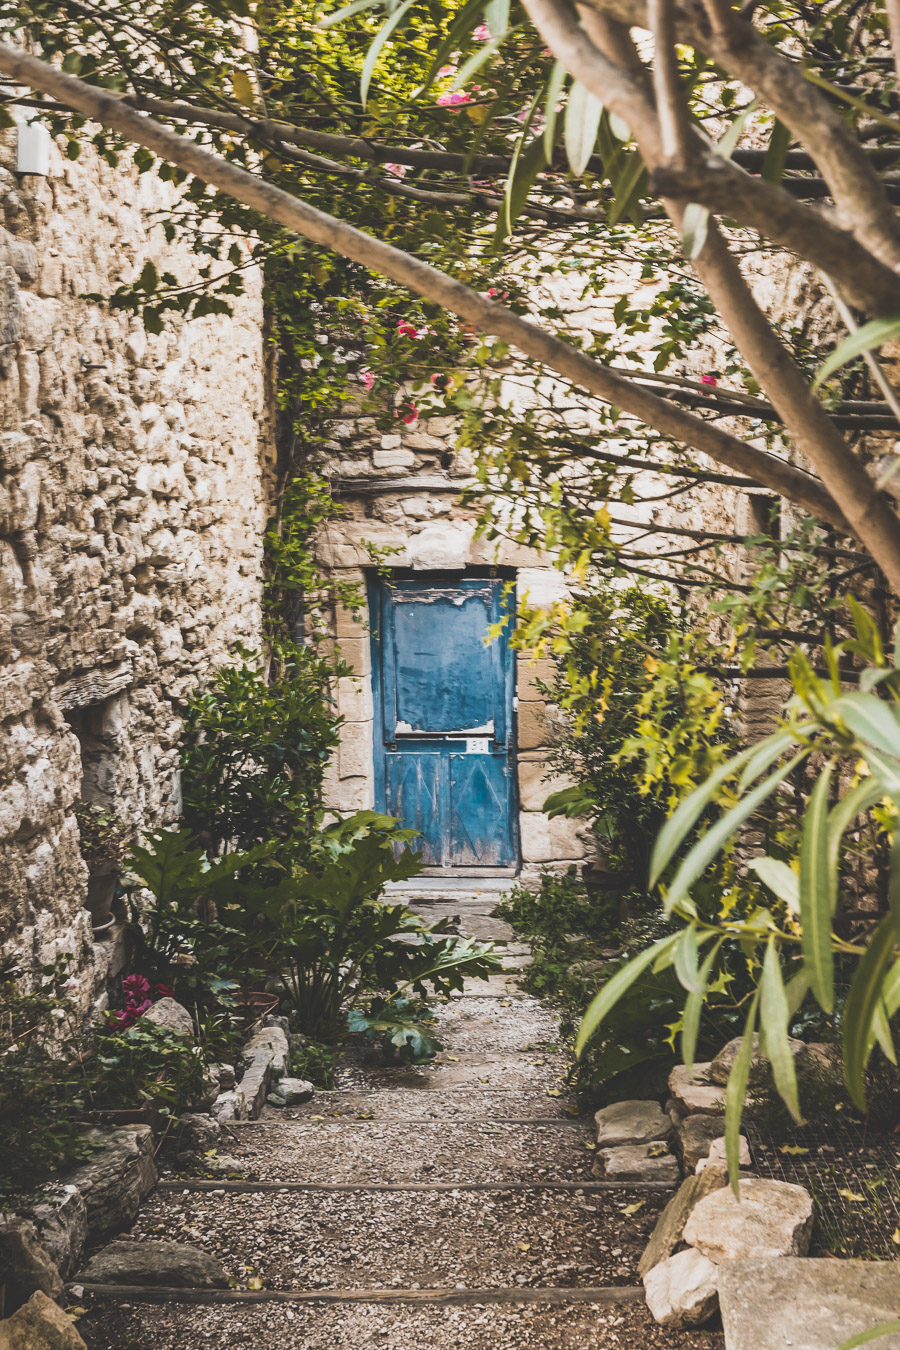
(131, 515)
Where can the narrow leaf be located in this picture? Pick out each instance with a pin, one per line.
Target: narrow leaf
(853, 804)
(795, 992)
(735, 1091)
(872, 334)
(780, 879)
(694, 229)
(776, 153)
(871, 719)
(865, 994)
(687, 813)
(764, 753)
(687, 958)
(347, 12)
(690, 1020)
(628, 186)
(864, 1337)
(774, 1013)
(881, 1032)
(728, 144)
(476, 61)
(555, 83)
(496, 14)
(583, 112)
(894, 883)
(612, 991)
(374, 51)
(818, 885)
(523, 172)
(715, 839)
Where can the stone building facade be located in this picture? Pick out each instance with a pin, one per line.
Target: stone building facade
(131, 517)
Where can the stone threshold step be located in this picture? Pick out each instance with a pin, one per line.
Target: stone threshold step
(141, 1293)
(259, 1187)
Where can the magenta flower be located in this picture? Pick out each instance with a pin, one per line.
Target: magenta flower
(446, 71)
(482, 33)
(407, 329)
(398, 170)
(367, 378)
(454, 100)
(410, 414)
(708, 379)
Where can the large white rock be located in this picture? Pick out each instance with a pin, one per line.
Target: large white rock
(172, 1015)
(639, 1162)
(814, 1304)
(694, 1094)
(716, 1156)
(631, 1122)
(681, 1291)
(723, 1063)
(772, 1218)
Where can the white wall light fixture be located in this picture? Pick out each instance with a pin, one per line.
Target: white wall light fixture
(33, 148)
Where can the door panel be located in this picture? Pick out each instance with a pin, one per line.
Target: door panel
(444, 717)
(479, 809)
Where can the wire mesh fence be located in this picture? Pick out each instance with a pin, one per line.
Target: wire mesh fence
(853, 1176)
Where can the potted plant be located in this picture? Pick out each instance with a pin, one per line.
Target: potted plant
(103, 842)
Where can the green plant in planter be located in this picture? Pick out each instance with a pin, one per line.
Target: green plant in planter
(402, 1025)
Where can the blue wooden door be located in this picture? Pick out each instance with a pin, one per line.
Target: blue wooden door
(444, 717)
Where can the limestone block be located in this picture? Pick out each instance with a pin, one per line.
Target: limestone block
(693, 1093)
(40, 1324)
(810, 1304)
(533, 730)
(681, 1291)
(667, 1234)
(528, 672)
(535, 786)
(639, 1162)
(442, 545)
(694, 1136)
(10, 306)
(355, 794)
(354, 698)
(721, 1066)
(290, 1092)
(355, 750)
(357, 653)
(772, 1218)
(26, 1263)
(175, 1265)
(541, 586)
(546, 840)
(61, 1221)
(40, 318)
(116, 1179)
(393, 459)
(170, 1014)
(271, 1042)
(717, 1154)
(631, 1122)
(348, 623)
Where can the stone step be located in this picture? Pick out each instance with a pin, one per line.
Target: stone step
(369, 1152)
(529, 1069)
(553, 1236)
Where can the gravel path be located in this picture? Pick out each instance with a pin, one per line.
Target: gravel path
(493, 1116)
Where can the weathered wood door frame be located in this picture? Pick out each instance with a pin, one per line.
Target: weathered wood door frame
(446, 752)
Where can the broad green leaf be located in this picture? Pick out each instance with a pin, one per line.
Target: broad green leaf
(780, 879)
(894, 884)
(347, 12)
(374, 51)
(628, 186)
(776, 153)
(583, 112)
(496, 14)
(523, 170)
(859, 799)
(872, 334)
(694, 229)
(874, 1334)
(687, 958)
(866, 992)
(476, 61)
(558, 77)
(818, 884)
(881, 1032)
(715, 839)
(735, 1092)
(690, 1020)
(612, 991)
(870, 719)
(774, 1013)
(688, 812)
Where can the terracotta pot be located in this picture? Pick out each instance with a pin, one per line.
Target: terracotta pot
(100, 893)
(254, 1005)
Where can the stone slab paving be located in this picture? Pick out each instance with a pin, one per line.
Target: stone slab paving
(494, 1238)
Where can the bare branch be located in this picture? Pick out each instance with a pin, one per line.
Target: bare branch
(674, 121)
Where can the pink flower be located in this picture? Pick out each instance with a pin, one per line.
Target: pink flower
(398, 170)
(367, 378)
(482, 33)
(453, 100)
(446, 71)
(708, 379)
(408, 413)
(407, 329)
